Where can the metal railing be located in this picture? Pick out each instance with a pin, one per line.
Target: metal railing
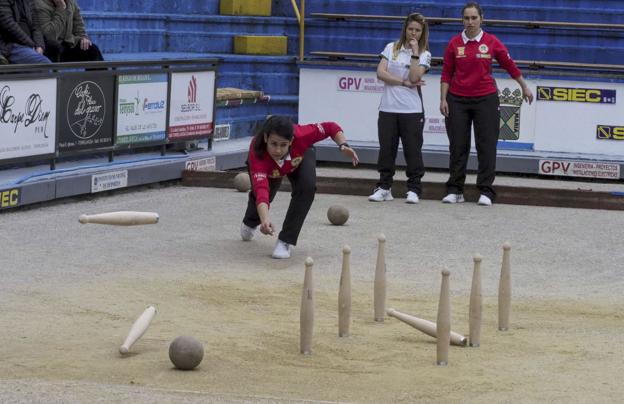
(446, 20)
(300, 14)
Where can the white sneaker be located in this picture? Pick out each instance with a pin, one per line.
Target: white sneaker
(453, 198)
(484, 201)
(381, 195)
(412, 197)
(246, 232)
(282, 250)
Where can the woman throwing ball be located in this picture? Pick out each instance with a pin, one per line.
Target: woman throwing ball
(281, 148)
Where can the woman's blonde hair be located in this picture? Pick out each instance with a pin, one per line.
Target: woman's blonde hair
(423, 42)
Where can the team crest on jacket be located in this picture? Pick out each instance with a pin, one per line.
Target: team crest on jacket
(461, 51)
(483, 48)
(275, 173)
(296, 161)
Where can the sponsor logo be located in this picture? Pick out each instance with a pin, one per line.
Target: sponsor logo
(360, 84)
(33, 113)
(9, 198)
(483, 48)
(191, 92)
(296, 161)
(86, 109)
(609, 132)
(205, 164)
(153, 106)
(586, 169)
(483, 56)
(510, 103)
(589, 95)
(109, 180)
(259, 176)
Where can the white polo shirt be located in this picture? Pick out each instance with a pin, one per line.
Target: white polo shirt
(400, 99)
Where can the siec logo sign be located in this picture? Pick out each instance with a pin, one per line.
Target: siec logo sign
(9, 198)
(588, 95)
(609, 132)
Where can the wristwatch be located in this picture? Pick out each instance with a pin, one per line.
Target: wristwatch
(341, 146)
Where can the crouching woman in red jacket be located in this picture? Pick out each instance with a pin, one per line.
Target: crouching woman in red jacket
(281, 148)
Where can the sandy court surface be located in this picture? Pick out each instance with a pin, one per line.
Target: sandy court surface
(70, 292)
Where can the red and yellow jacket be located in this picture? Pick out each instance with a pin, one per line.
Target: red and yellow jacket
(261, 169)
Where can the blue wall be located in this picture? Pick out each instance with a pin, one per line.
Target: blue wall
(187, 28)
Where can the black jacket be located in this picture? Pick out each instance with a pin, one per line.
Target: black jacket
(10, 29)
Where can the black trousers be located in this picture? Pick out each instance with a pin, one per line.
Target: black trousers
(303, 183)
(484, 114)
(409, 129)
(64, 52)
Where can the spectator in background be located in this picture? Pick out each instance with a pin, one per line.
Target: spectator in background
(21, 40)
(401, 112)
(469, 97)
(66, 39)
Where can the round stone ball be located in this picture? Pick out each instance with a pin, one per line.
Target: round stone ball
(337, 215)
(242, 182)
(186, 352)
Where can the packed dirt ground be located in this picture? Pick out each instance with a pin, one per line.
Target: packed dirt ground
(70, 293)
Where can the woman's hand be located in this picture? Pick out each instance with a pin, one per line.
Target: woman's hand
(527, 94)
(266, 227)
(349, 152)
(444, 109)
(414, 45)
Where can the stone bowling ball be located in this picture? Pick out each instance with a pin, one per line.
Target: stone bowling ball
(242, 182)
(337, 215)
(186, 352)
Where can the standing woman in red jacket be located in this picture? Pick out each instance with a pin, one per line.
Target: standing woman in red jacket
(281, 148)
(469, 96)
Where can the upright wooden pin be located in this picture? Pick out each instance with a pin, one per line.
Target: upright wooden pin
(474, 312)
(504, 290)
(380, 280)
(344, 294)
(306, 318)
(444, 321)
(138, 328)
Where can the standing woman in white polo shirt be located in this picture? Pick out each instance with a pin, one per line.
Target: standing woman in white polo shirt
(401, 113)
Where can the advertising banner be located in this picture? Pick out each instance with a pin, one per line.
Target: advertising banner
(27, 118)
(580, 117)
(352, 97)
(86, 119)
(192, 105)
(141, 108)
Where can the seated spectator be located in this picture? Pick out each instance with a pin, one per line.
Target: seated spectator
(66, 39)
(20, 33)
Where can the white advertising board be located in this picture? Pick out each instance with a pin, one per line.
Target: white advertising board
(141, 108)
(191, 105)
(351, 98)
(580, 117)
(27, 118)
(109, 180)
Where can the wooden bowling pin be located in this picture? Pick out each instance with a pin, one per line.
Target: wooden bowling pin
(138, 329)
(474, 312)
(444, 321)
(504, 290)
(344, 294)
(425, 326)
(123, 218)
(380, 280)
(306, 318)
